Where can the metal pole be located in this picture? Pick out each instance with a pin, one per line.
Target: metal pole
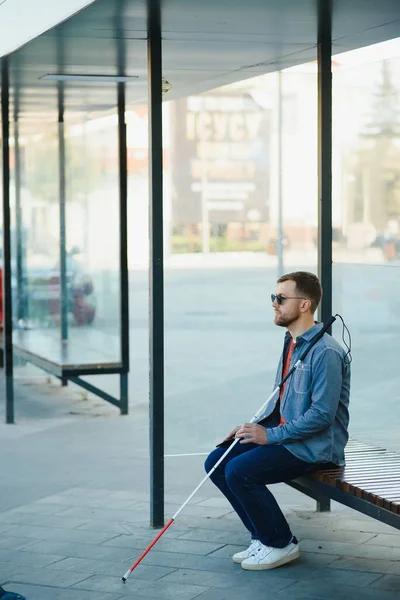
(280, 206)
(7, 291)
(156, 300)
(123, 247)
(63, 235)
(325, 155)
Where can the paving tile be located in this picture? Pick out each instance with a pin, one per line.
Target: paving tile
(164, 545)
(85, 492)
(60, 534)
(388, 582)
(371, 565)
(321, 590)
(4, 527)
(260, 593)
(368, 526)
(87, 567)
(328, 535)
(194, 510)
(386, 539)
(222, 524)
(130, 495)
(26, 559)
(36, 592)
(129, 516)
(215, 502)
(46, 577)
(344, 549)
(190, 561)
(237, 579)
(8, 569)
(40, 520)
(313, 559)
(65, 549)
(143, 531)
(227, 551)
(303, 572)
(89, 501)
(116, 527)
(210, 535)
(35, 508)
(161, 590)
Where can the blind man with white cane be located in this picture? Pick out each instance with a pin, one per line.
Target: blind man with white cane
(303, 428)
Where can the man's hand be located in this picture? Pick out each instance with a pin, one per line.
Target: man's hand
(232, 434)
(252, 433)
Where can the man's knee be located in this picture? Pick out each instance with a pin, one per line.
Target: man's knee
(211, 460)
(233, 473)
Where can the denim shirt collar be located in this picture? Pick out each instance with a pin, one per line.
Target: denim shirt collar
(307, 335)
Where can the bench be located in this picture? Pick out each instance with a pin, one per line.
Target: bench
(369, 483)
(87, 352)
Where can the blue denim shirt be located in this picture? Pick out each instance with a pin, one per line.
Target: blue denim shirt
(315, 402)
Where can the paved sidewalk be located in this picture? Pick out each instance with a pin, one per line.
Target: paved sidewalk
(74, 513)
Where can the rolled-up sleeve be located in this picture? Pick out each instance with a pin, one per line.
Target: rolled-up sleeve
(325, 397)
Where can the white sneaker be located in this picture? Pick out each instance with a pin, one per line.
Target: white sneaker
(266, 557)
(240, 556)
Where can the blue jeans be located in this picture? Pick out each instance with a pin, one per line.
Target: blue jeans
(242, 477)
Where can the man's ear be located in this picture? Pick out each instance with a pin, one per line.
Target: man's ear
(306, 305)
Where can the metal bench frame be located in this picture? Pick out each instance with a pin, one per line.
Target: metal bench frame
(74, 373)
(323, 493)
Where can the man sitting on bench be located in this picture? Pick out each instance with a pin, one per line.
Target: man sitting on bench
(302, 430)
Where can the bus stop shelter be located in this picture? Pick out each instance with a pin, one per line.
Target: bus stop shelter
(107, 57)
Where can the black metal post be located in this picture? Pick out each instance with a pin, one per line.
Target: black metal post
(156, 300)
(63, 234)
(123, 232)
(7, 292)
(325, 155)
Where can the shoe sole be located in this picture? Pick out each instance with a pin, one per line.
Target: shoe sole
(278, 563)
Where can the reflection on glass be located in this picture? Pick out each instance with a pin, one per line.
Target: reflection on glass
(366, 250)
(91, 302)
(35, 228)
(92, 229)
(366, 161)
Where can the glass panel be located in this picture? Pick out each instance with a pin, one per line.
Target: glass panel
(221, 345)
(35, 237)
(138, 246)
(92, 235)
(366, 250)
(92, 300)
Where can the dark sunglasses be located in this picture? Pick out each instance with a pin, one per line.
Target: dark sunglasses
(281, 299)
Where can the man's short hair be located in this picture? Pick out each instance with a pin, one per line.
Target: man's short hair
(307, 284)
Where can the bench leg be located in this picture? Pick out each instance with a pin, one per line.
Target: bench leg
(323, 504)
(124, 394)
(64, 381)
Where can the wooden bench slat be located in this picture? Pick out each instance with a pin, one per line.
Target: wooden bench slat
(371, 474)
(385, 461)
(362, 469)
(371, 478)
(371, 456)
(359, 475)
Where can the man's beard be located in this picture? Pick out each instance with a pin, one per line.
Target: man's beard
(285, 321)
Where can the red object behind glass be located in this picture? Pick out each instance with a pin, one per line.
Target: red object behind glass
(1, 299)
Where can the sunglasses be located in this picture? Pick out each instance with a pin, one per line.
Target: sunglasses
(279, 299)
